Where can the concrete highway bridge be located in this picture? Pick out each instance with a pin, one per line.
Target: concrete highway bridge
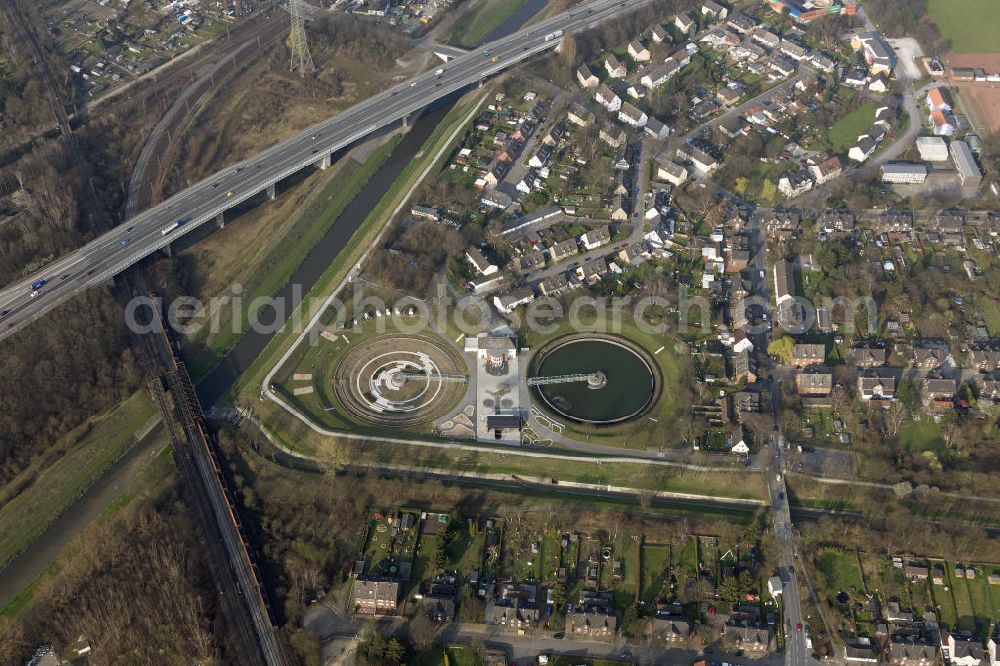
(206, 201)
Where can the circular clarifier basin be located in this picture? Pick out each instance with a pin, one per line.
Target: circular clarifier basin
(621, 382)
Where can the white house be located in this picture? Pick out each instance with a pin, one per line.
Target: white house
(632, 115)
(479, 262)
(774, 586)
(616, 68)
(683, 22)
(638, 51)
(714, 10)
(586, 77)
(795, 183)
(607, 98)
(671, 172)
(510, 301)
(596, 238)
(863, 149)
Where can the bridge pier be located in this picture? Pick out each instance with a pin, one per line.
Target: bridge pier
(220, 220)
(324, 162)
(167, 251)
(271, 192)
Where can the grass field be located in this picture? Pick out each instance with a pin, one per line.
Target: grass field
(361, 241)
(655, 577)
(845, 131)
(471, 28)
(91, 448)
(148, 485)
(969, 26)
(839, 571)
(924, 435)
(965, 616)
(264, 274)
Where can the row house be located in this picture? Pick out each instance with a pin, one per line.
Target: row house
(807, 354)
(938, 391)
(778, 223)
(929, 354)
(913, 651)
(655, 77)
(741, 23)
(868, 354)
(837, 223)
(814, 383)
(554, 285)
(984, 355)
(873, 386)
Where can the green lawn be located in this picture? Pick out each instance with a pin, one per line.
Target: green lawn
(839, 571)
(423, 563)
(991, 313)
(655, 576)
(471, 28)
(278, 266)
(979, 591)
(845, 131)
(465, 552)
(144, 490)
(966, 617)
(91, 448)
(969, 26)
(923, 435)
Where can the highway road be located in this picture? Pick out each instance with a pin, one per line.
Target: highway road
(157, 227)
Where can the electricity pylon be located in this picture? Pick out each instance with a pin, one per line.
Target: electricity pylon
(301, 59)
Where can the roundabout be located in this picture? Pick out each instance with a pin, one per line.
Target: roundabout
(595, 379)
(399, 380)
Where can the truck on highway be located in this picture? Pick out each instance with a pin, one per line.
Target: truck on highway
(37, 284)
(553, 35)
(176, 223)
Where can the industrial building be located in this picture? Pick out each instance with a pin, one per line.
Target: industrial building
(968, 170)
(932, 148)
(808, 10)
(904, 173)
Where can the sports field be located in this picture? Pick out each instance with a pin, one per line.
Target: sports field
(969, 26)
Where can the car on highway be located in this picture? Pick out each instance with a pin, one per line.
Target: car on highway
(229, 193)
(494, 59)
(798, 627)
(126, 241)
(413, 84)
